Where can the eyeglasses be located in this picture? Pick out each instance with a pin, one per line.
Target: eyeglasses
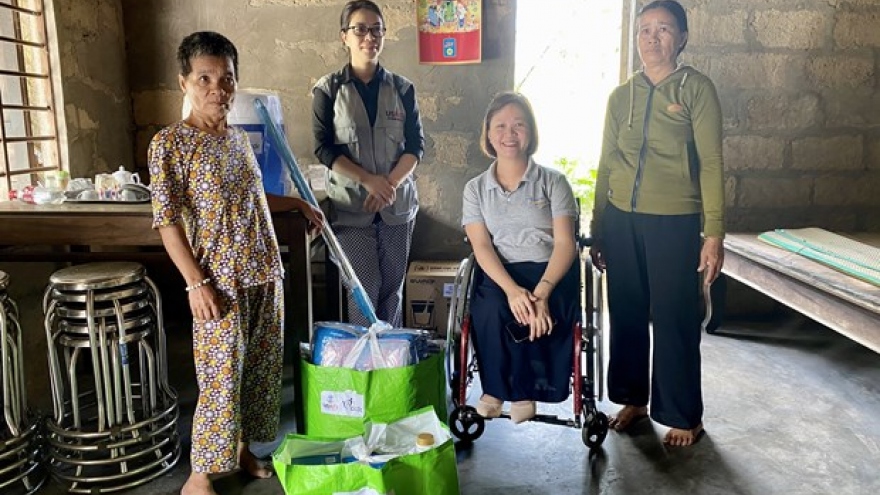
(361, 30)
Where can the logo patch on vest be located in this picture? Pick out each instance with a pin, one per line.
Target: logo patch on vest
(395, 115)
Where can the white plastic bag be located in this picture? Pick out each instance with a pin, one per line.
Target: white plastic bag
(369, 340)
(382, 442)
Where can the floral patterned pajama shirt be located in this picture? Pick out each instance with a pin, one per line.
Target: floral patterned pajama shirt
(213, 187)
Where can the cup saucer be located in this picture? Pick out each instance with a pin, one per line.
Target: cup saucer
(140, 188)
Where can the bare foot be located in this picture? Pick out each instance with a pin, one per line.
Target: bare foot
(197, 484)
(627, 416)
(253, 466)
(677, 437)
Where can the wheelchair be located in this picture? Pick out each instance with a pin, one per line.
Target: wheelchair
(586, 384)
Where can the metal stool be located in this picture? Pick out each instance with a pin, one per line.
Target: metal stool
(22, 457)
(115, 421)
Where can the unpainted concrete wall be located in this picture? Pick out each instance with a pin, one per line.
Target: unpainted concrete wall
(286, 45)
(94, 84)
(799, 88)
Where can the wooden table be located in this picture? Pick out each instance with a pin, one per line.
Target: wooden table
(71, 231)
(841, 302)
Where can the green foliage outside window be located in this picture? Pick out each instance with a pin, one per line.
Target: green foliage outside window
(582, 180)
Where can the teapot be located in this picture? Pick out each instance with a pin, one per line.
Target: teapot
(123, 176)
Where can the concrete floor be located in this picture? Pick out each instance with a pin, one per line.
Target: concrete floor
(791, 408)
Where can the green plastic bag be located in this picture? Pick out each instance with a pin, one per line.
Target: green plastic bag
(299, 463)
(339, 400)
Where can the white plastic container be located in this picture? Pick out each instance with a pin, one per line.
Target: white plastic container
(276, 178)
(244, 115)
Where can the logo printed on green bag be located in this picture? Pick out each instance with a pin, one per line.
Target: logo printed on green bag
(348, 403)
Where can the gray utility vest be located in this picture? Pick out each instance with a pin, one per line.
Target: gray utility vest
(375, 149)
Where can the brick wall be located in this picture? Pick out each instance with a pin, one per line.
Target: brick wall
(798, 84)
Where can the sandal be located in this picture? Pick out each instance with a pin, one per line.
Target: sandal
(489, 409)
(523, 410)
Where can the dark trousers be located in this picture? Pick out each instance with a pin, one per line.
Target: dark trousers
(652, 277)
(514, 371)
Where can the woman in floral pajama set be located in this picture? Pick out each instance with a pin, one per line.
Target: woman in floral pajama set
(214, 219)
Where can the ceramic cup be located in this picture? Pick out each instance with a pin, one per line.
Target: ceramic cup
(106, 186)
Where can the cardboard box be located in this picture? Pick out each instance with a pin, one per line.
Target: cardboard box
(429, 286)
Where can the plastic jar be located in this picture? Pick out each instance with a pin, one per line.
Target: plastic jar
(424, 442)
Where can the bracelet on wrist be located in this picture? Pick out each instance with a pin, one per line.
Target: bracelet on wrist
(190, 288)
(545, 281)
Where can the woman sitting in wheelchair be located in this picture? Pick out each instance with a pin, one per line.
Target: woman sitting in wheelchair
(519, 217)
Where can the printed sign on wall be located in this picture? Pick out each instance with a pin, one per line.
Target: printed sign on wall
(449, 31)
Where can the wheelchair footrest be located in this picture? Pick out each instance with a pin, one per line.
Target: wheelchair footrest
(546, 418)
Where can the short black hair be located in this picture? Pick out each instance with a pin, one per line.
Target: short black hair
(677, 11)
(205, 43)
(674, 8)
(355, 5)
(500, 101)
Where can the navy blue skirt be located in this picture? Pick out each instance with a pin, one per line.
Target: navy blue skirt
(514, 371)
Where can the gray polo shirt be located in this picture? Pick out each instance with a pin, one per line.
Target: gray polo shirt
(521, 221)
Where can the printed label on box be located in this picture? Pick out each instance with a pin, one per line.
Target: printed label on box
(348, 403)
(448, 289)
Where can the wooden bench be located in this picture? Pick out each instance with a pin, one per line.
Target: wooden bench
(836, 300)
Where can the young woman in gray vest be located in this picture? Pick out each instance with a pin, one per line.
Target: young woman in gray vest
(368, 132)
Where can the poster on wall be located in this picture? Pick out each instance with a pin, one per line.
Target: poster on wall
(449, 31)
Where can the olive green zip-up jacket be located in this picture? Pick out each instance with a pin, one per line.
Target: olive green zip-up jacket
(661, 151)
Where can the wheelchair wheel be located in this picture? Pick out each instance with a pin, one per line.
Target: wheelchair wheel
(466, 424)
(595, 430)
(459, 369)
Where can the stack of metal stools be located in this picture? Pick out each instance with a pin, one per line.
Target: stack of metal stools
(115, 421)
(22, 468)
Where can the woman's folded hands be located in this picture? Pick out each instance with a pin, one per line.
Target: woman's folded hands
(529, 309)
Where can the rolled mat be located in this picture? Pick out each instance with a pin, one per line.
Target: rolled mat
(841, 253)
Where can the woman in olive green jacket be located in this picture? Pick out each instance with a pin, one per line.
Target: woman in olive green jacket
(658, 224)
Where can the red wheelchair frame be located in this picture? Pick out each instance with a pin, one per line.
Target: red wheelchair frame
(587, 373)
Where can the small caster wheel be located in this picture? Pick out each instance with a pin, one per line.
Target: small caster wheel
(466, 424)
(594, 432)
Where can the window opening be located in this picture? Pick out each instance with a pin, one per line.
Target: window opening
(568, 60)
(28, 127)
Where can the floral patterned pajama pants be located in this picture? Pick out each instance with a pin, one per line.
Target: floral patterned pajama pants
(238, 367)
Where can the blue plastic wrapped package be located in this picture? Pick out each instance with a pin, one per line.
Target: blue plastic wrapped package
(334, 343)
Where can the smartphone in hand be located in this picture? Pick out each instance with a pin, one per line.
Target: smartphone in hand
(519, 333)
